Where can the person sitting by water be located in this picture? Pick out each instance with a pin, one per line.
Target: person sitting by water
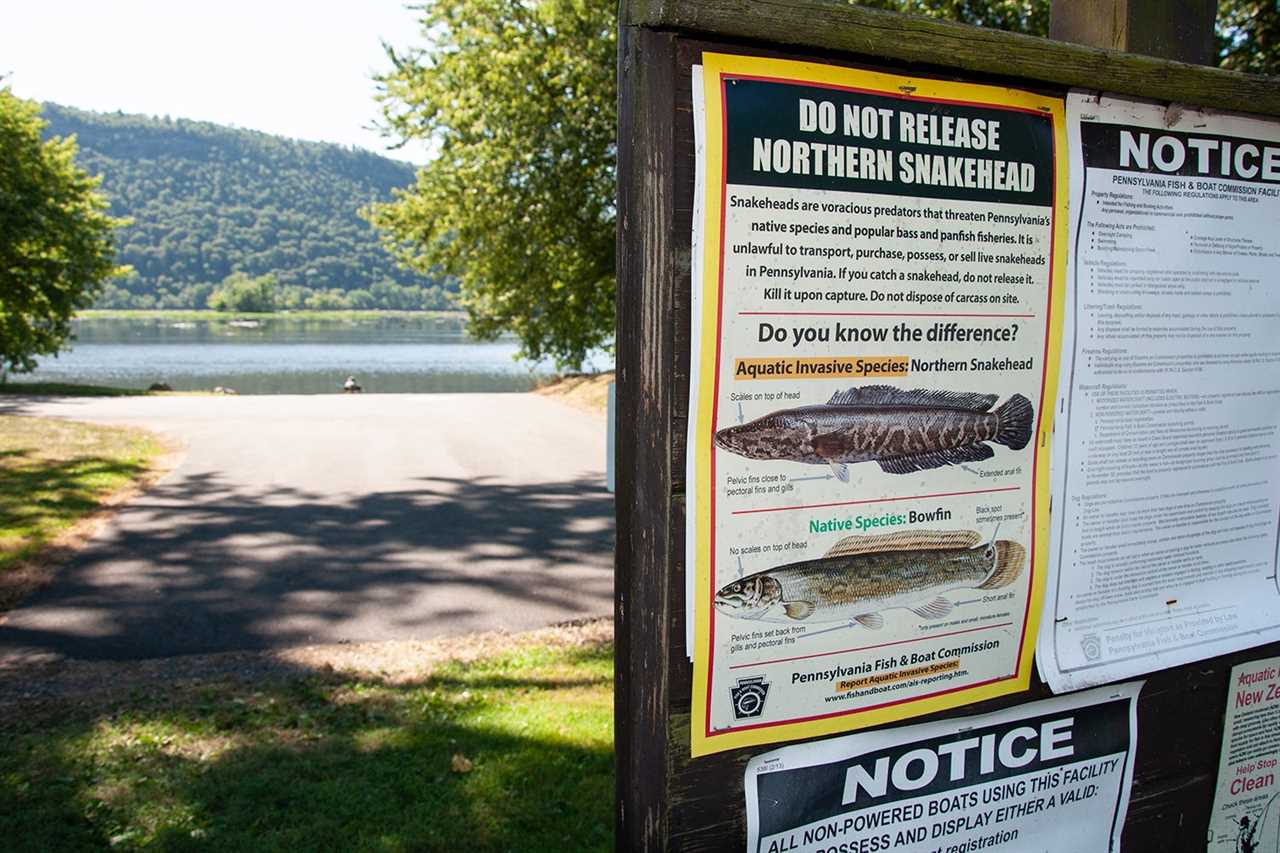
(351, 386)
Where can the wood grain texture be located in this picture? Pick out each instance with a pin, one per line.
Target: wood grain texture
(837, 26)
(1138, 26)
(646, 267)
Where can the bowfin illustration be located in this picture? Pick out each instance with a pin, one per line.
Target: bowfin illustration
(936, 459)
(1009, 559)
(874, 621)
(887, 395)
(939, 608)
(1015, 417)
(798, 609)
(906, 540)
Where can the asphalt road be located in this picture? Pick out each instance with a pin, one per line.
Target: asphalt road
(321, 519)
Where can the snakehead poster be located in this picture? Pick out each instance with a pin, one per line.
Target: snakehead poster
(876, 288)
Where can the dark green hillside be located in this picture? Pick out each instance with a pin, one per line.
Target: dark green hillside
(208, 200)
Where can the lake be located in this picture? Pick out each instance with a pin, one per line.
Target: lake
(284, 355)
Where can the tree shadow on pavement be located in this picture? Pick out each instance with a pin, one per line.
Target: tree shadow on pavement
(197, 566)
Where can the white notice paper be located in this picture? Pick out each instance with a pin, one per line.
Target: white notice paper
(1166, 454)
(1050, 776)
(1246, 805)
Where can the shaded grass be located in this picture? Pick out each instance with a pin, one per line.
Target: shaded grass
(71, 389)
(68, 389)
(509, 752)
(55, 472)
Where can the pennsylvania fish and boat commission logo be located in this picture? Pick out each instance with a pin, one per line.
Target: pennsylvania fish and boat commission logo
(1091, 645)
(748, 696)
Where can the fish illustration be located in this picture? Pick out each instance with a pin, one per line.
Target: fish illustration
(863, 575)
(901, 431)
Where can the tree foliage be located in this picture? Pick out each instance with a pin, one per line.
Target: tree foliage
(244, 293)
(1019, 16)
(1249, 35)
(55, 237)
(207, 200)
(520, 98)
(1247, 32)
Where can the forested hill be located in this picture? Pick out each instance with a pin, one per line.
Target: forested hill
(208, 200)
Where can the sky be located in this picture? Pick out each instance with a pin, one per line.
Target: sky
(297, 69)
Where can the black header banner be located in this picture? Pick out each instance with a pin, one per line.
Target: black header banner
(782, 134)
(797, 797)
(1170, 152)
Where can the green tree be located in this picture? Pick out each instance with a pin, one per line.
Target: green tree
(328, 300)
(1249, 35)
(1247, 31)
(243, 293)
(518, 98)
(1019, 16)
(55, 237)
(292, 296)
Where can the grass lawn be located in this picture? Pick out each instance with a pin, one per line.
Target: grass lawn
(589, 392)
(510, 751)
(68, 389)
(55, 472)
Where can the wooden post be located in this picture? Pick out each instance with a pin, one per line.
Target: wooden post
(1182, 31)
(644, 466)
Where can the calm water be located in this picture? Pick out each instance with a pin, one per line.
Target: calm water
(289, 356)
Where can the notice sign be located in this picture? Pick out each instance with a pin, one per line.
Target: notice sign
(1167, 455)
(876, 298)
(1050, 776)
(1246, 806)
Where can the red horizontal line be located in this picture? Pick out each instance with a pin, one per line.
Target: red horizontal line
(865, 708)
(868, 648)
(876, 500)
(869, 314)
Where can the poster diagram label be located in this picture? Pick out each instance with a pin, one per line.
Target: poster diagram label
(1246, 804)
(876, 284)
(1050, 776)
(1167, 451)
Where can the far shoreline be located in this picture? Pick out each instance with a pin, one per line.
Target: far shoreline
(586, 392)
(170, 315)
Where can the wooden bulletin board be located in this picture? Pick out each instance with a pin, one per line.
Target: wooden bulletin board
(667, 800)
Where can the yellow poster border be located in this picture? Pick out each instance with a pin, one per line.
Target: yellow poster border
(715, 66)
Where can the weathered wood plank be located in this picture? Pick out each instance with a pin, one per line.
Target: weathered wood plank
(682, 243)
(838, 26)
(1138, 26)
(646, 176)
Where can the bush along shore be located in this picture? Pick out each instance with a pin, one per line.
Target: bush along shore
(194, 316)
